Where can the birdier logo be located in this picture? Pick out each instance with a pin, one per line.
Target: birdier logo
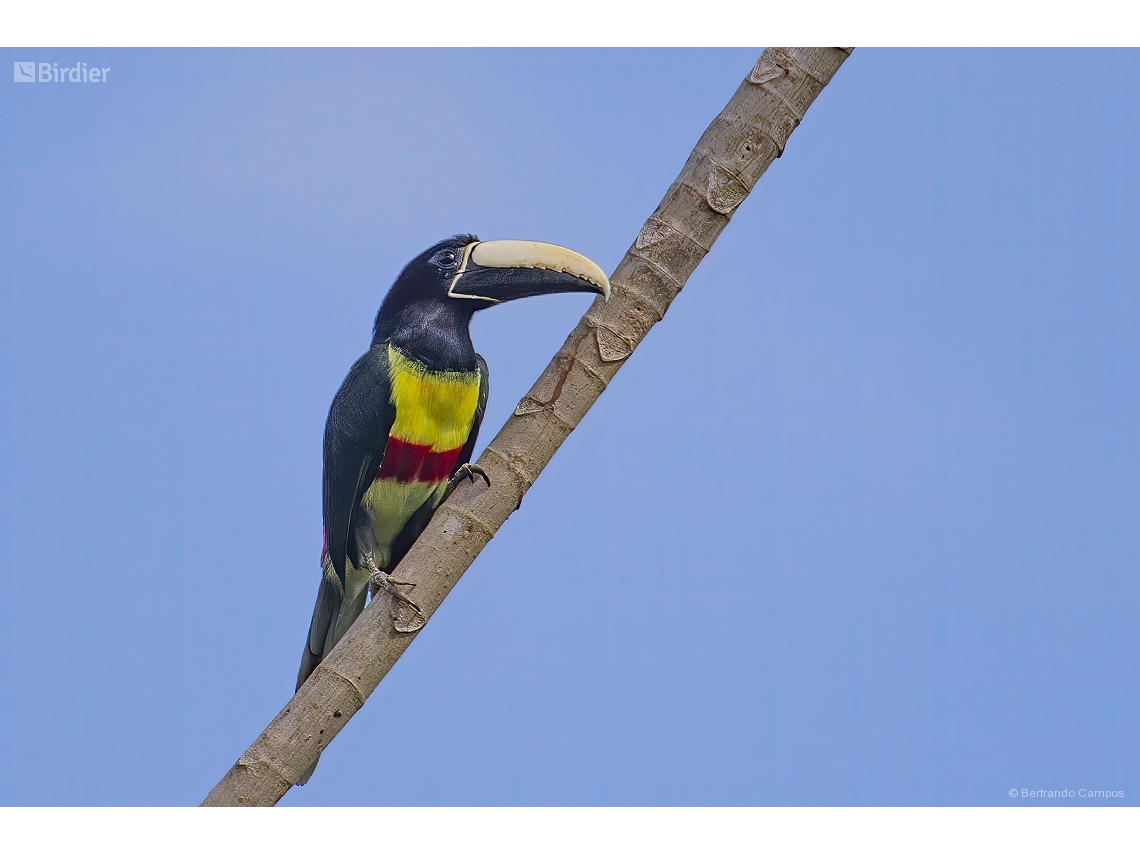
(50, 72)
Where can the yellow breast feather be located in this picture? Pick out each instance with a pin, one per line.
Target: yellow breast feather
(433, 408)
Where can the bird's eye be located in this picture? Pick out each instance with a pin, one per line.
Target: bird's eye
(446, 259)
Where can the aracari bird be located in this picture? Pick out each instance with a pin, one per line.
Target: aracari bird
(403, 424)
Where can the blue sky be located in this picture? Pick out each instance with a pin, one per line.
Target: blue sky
(857, 524)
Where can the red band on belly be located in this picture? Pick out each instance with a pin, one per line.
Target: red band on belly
(407, 461)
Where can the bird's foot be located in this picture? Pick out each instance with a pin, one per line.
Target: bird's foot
(468, 471)
(406, 615)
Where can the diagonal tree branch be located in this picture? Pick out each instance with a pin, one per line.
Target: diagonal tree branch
(726, 163)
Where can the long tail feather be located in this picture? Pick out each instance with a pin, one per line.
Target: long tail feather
(332, 617)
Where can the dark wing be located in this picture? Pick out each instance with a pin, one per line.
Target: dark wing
(480, 408)
(356, 434)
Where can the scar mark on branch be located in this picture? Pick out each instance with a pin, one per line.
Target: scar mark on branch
(567, 361)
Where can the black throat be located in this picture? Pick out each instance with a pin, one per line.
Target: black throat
(434, 332)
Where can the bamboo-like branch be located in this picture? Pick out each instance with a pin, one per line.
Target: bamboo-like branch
(726, 163)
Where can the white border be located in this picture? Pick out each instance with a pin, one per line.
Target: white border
(603, 23)
(598, 23)
(553, 831)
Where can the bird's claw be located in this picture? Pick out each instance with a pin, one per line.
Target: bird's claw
(385, 582)
(381, 579)
(469, 471)
(406, 615)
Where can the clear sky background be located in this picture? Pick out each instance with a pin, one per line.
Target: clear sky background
(856, 525)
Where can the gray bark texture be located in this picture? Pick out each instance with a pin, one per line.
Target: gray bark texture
(728, 160)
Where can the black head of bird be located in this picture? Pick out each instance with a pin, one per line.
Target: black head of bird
(428, 309)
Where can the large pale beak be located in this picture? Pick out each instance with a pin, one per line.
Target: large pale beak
(495, 271)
